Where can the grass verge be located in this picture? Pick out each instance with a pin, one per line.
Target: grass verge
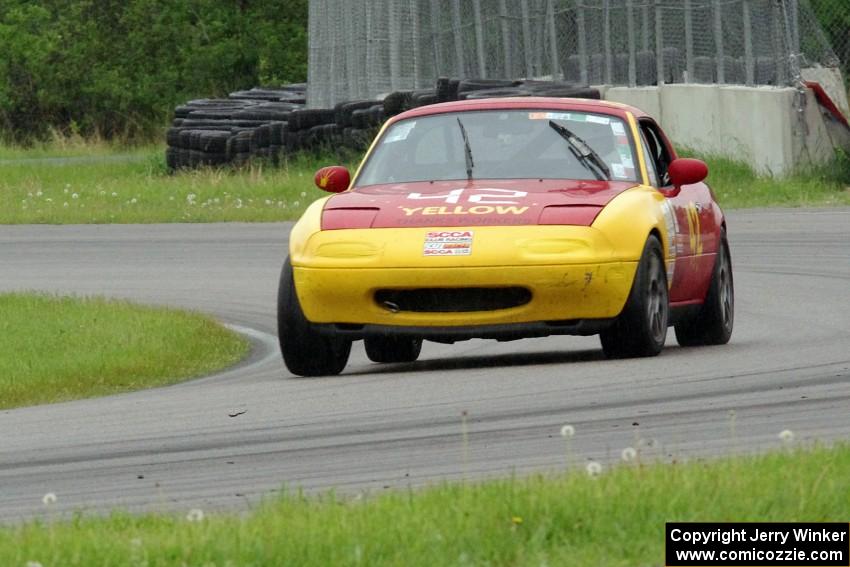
(62, 348)
(133, 186)
(613, 519)
(736, 185)
(114, 185)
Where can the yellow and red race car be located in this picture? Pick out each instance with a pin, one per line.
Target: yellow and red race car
(506, 219)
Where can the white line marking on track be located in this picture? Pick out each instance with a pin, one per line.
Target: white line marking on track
(268, 341)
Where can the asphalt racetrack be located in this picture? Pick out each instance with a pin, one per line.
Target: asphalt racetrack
(233, 438)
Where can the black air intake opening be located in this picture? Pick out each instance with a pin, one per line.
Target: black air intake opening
(452, 300)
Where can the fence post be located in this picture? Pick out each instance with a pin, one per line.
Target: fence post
(506, 37)
(371, 67)
(456, 28)
(582, 43)
(689, 41)
(644, 40)
(794, 28)
(526, 39)
(606, 42)
(718, 42)
(479, 38)
(417, 41)
(630, 26)
(749, 62)
(436, 39)
(553, 40)
(394, 35)
(780, 50)
(659, 43)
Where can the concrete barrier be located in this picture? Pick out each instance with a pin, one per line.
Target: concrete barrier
(774, 129)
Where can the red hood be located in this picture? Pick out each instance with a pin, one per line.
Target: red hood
(476, 203)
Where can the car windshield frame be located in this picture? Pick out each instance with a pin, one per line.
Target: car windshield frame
(555, 143)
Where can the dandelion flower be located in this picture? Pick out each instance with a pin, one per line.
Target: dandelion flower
(238, 203)
(628, 454)
(295, 204)
(786, 436)
(49, 498)
(65, 190)
(133, 201)
(33, 564)
(48, 200)
(517, 520)
(268, 202)
(114, 194)
(75, 195)
(195, 515)
(102, 193)
(593, 468)
(39, 194)
(65, 204)
(568, 431)
(303, 194)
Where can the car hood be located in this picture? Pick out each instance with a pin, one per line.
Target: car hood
(475, 203)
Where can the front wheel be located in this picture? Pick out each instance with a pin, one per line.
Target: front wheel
(392, 349)
(641, 328)
(306, 352)
(713, 324)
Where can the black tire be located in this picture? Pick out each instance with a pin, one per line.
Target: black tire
(396, 102)
(568, 92)
(305, 351)
(467, 85)
(309, 118)
(214, 141)
(641, 328)
(443, 89)
(715, 320)
(494, 93)
(172, 158)
(392, 349)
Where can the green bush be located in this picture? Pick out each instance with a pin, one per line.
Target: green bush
(117, 68)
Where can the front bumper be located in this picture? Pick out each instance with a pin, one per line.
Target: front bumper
(572, 273)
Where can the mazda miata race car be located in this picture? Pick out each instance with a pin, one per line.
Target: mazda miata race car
(506, 219)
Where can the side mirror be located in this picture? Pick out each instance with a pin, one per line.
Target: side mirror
(687, 171)
(333, 179)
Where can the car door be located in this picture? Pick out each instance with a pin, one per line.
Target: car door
(695, 220)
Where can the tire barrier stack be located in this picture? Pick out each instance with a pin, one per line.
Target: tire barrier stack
(272, 122)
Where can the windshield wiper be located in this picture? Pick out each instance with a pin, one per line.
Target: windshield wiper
(583, 152)
(467, 150)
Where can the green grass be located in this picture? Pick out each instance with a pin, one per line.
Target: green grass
(62, 348)
(132, 186)
(120, 185)
(614, 519)
(736, 186)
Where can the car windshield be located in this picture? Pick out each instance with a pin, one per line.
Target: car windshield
(502, 144)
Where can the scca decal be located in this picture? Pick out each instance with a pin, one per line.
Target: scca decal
(460, 210)
(450, 234)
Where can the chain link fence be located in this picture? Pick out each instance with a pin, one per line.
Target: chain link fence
(834, 19)
(360, 50)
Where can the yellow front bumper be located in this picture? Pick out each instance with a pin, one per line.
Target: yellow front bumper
(571, 272)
